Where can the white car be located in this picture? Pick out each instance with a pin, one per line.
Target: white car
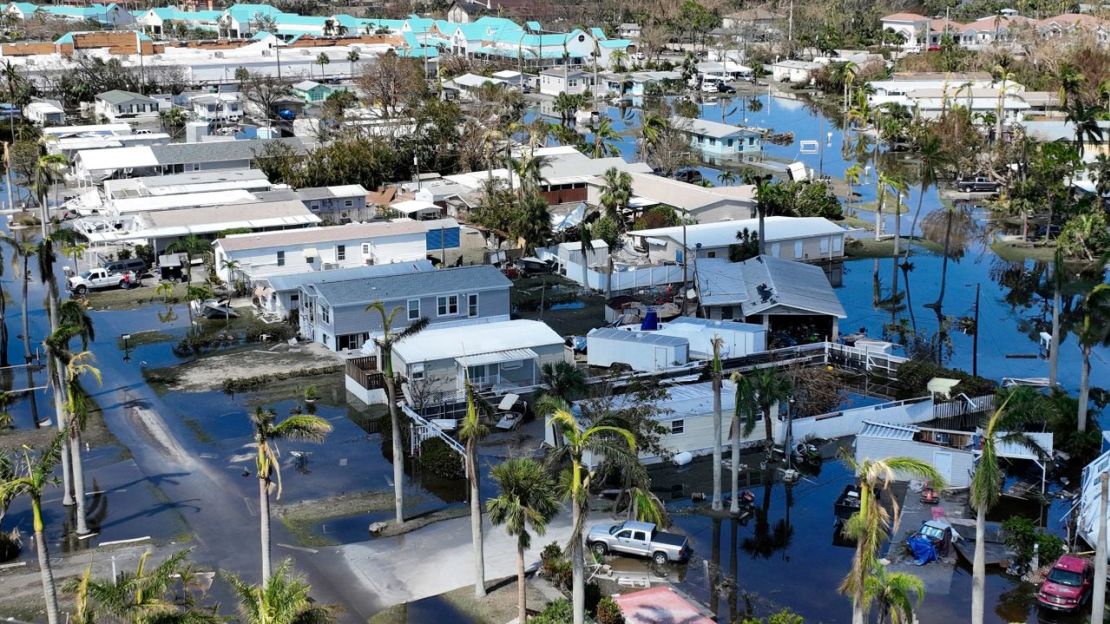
(709, 86)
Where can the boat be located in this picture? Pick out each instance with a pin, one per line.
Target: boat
(848, 503)
(214, 309)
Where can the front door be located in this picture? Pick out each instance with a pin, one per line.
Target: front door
(942, 461)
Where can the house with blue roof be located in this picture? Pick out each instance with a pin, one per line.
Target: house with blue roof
(292, 25)
(243, 20)
(160, 21)
(111, 15)
(21, 10)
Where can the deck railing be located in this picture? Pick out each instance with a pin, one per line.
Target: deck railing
(364, 370)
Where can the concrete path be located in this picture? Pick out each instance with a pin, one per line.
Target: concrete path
(438, 558)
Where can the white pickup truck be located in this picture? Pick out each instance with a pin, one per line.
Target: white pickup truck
(640, 539)
(100, 279)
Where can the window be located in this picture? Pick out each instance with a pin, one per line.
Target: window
(366, 250)
(711, 254)
(348, 203)
(472, 305)
(730, 142)
(293, 299)
(624, 535)
(678, 427)
(325, 314)
(281, 258)
(726, 313)
(447, 306)
(340, 252)
(414, 309)
(416, 372)
(639, 536)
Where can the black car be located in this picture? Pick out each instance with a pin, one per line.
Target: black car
(138, 265)
(977, 184)
(725, 88)
(688, 175)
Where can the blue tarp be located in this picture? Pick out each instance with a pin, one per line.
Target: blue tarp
(922, 549)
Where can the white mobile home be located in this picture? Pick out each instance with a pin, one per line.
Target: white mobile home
(641, 350)
(279, 295)
(737, 339)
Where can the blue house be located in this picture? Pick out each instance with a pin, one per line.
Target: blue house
(718, 141)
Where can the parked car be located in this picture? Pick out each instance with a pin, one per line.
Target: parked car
(977, 184)
(100, 279)
(710, 86)
(639, 539)
(724, 87)
(137, 265)
(689, 175)
(1068, 586)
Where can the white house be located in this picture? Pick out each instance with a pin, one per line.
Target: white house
(217, 108)
(334, 247)
(811, 239)
(119, 105)
(793, 71)
(44, 113)
(571, 82)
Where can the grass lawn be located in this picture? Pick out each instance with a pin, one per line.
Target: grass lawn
(871, 248)
(1016, 253)
(499, 605)
(131, 298)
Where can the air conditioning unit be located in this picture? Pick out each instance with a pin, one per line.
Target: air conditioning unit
(327, 266)
(219, 54)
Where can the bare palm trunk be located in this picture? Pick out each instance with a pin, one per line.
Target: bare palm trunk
(769, 432)
(1054, 342)
(944, 263)
(898, 225)
(49, 590)
(979, 568)
(578, 576)
(78, 477)
(398, 452)
(1098, 601)
(521, 589)
(476, 519)
(1084, 388)
(264, 525)
(27, 356)
(857, 611)
(717, 419)
(63, 422)
(734, 504)
(3, 329)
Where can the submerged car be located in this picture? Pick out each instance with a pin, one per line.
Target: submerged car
(1068, 586)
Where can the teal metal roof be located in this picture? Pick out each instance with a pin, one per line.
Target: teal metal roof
(418, 53)
(68, 37)
(514, 52)
(419, 24)
(352, 23)
(597, 33)
(166, 13)
(614, 43)
(533, 26)
(300, 20)
(199, 16)
(26, 8)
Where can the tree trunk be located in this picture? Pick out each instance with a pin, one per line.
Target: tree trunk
(476, 519)
(734, 504)
(1054, 342)
(398, 452)
(50, 592)
(264, 524)
(857, 611)
(1098, 601)
(944, 263)
(898, 225)
(762, 234)
(1084, 388)
(3, 329)
(979, 568)
(879, 208)
(27, 340)
(63, 422)
(717, 419)
(769, 432)
(521, 589)
(578, 583)
(78, 477)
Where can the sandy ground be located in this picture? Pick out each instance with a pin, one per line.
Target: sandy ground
(209, 373)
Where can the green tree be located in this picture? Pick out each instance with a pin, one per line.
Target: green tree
(532, 223)
(1093, 332)
(618, 446)
(896, 594)
(267, 431)
(616, 192)
(283, 598)
(49, 170)
(871, 525)
(758, 394)
(605, 138)
(564, 381)
(322, 60)
(35, 475)
(385, 343)
(145, 596)
(1085, 236)
(527, 499)
(173, 121)
(352, 58)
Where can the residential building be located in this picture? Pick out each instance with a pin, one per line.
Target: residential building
(806, 239)
(1003, 29)
(785, 296)
(468, 84)
(571, 82)
(278, 297)
(107, 15)
(44, 113)
(629, 30)
(217, 108)
(115, 106)
(721, 142)
(796, 72)
(91, 166)
(337, 204)
(313, 92)
(334, 247)
(639, 83)
(703, 204)
(163, 21)
(334, 313)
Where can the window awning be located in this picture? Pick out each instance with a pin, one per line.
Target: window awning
(310, 252)
(497, 357)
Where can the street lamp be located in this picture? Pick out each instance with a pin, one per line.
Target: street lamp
(126, 338)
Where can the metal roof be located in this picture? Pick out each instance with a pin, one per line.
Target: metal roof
(497, 357)
(723, 233)
(117, 97)
(330, 234)
(217, 151)
(449, 343)
(393, 287)
(887, 431)
(764, 283)
(704, 127)
(327, 192)
(294, 281)
(608, 333)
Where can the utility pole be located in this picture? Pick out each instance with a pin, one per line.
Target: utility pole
(8, 173)
(975, 338)
(1098, 602)
(790, 30)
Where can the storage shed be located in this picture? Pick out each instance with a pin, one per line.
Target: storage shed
(643, 351)
(738, 339)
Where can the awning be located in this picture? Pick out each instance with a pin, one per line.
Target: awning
(310, 252)
(942, 386)
(497, 357)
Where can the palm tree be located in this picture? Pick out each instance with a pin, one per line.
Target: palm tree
(77, 407)
(145, 596)
(267, 430)
(1013, 412)
(470, 432)
(897, 595)
(760, 392)
(585, 237)
(715, 367)
(932, 159)
(195, 294)
(727, 178)
(322, 60)
(652, 129)
(32, 483)
(851, 177)
(191, 246)
(48, 170)
(1094, 331)
(527, 499)
(618, 446)
(605, 139)
(871, 525)
(564, 381)
(1058, 278)
(352, 58)
(281, 599)
(616, 192)
(23, 251)
(763, 191)
(1084, 119)
(385, 344)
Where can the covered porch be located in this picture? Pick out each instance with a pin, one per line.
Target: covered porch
(499, 372)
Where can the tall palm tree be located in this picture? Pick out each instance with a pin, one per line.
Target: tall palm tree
(618, 446)
(764, 188)
(897, 187)
(715, 368)
(77, 408)
(281, 599)
(385, 344)
(32, 482)
(759, 393)
(585, 237)
(1093, 332)
(352, 58)
(896, 594)
(322, 60)
(48, 170)
(616, 192)
(81, 324)
(851, 178)
(872, 524)
(195, 294)
(1058, 278)
(1084, 120)
(564, 381)
(267, 431)
(727, 177)
(932, 159)
(21, 259)
(605, 139)
(1014, 411)
(527, 499)
(471, 432)
(145, 596)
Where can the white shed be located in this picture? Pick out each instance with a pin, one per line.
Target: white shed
(738, 339)
(879, 440)
(643, 351)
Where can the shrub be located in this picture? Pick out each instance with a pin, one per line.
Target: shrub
(555, 566)
(1021, 534)
(593, 597)
(914, 376)
(439, 459)
(608, 612)
(556, 612)
(246, 383)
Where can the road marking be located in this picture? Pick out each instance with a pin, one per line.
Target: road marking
(250, 509)
(300, 548)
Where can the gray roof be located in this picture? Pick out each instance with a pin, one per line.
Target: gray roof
(121, 97)
(624, 335)
(394, 287)
(216, 151)
(764, 283)
(704, 127)
(329, 192)
(282, 283)
(887, 431)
